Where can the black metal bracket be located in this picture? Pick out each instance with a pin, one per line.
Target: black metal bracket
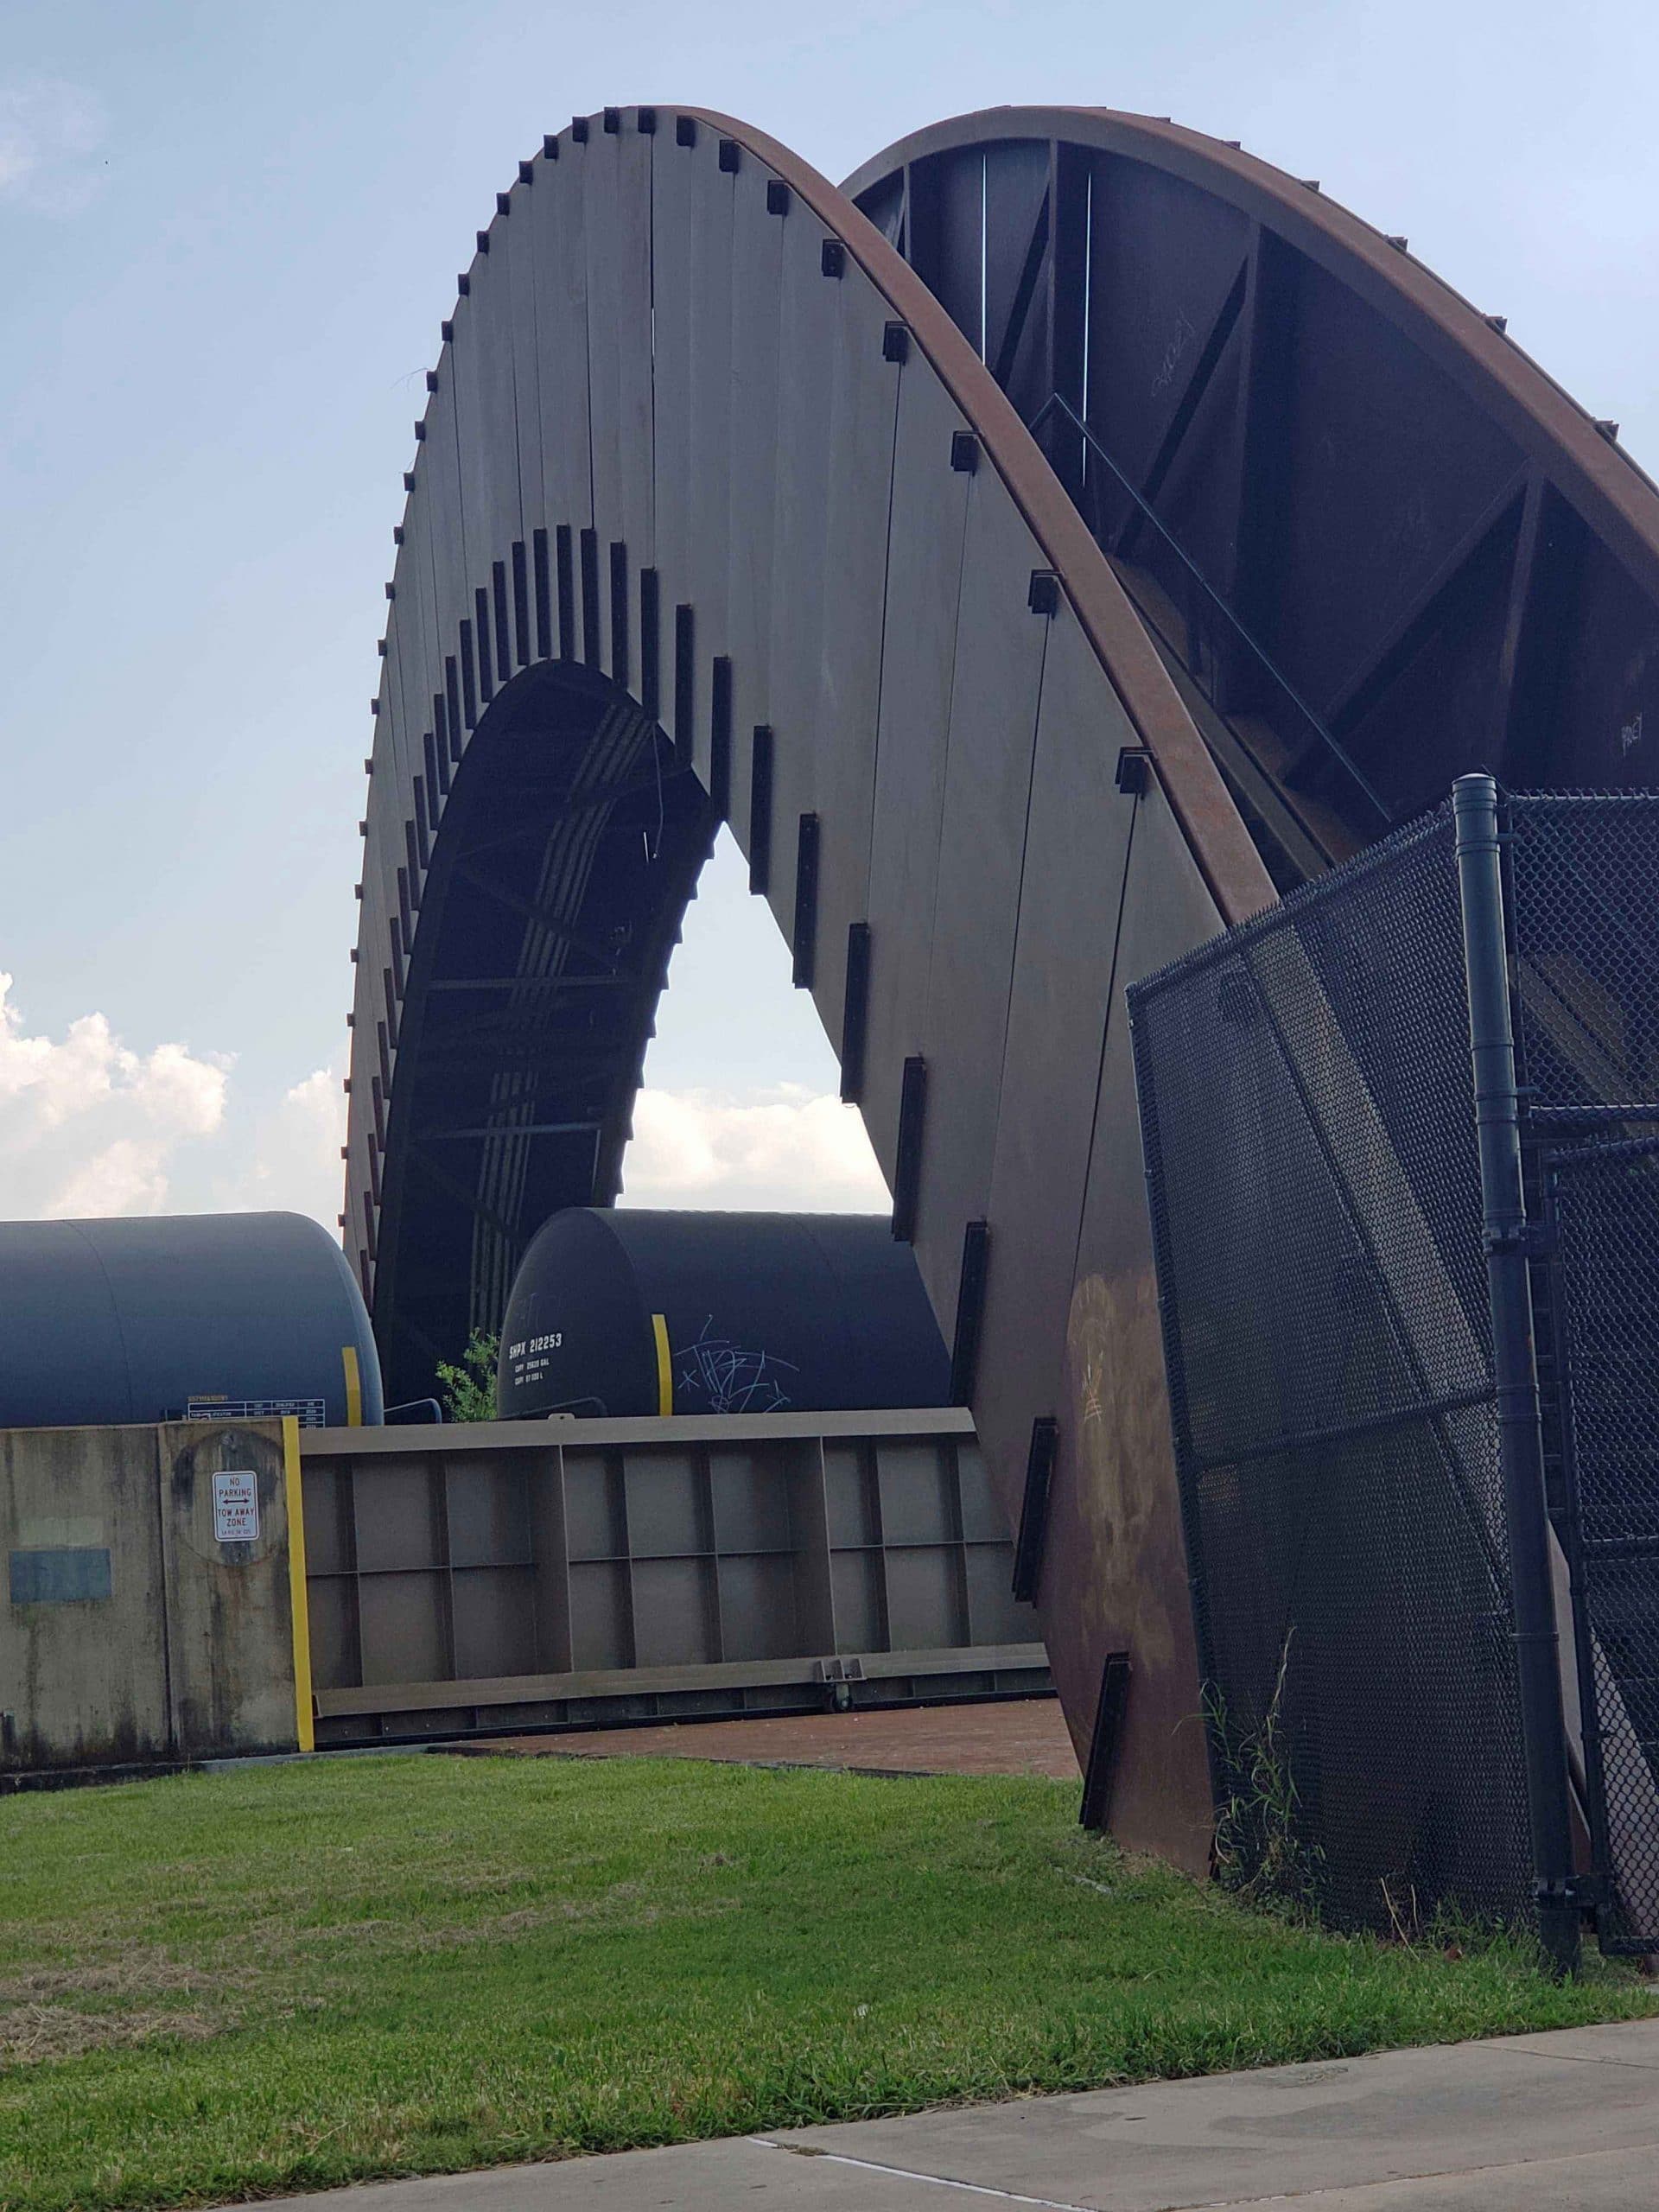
(907, 1160)
(1106, 1743)
(854, 1013)
(805, 939)
(760, 809)
(1134, 770)
(970, 1310)
(1034, 1510)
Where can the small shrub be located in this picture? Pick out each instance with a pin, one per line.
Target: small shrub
(469, 1388)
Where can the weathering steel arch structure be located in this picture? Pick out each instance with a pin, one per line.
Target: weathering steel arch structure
(1038, 553)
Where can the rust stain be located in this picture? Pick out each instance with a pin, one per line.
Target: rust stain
(1130, 1576)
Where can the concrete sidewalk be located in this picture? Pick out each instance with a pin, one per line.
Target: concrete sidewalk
(1549, 2123)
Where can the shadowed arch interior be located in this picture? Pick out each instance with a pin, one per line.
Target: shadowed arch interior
(571, 840)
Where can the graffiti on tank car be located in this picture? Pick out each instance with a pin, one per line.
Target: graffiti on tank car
(732, 1380)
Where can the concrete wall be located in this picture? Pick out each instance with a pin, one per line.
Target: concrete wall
(136, 1627)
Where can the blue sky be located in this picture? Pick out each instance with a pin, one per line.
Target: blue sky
(228, 233)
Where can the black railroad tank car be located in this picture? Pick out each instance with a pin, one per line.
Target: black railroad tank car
(166, 1316)
(618, 1313)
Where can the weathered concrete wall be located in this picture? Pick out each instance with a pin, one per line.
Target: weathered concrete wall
(138, 1625)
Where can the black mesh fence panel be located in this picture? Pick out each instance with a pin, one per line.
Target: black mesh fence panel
(1604, 1204)
(1308, 1120)
(1584, 896)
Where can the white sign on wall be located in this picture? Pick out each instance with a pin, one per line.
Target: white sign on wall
(236, 1506)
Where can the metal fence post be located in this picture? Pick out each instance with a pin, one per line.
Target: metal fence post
(1515, 1373)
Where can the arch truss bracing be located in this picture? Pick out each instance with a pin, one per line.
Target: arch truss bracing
(1036, 553)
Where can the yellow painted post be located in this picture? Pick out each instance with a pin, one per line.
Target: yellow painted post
(299, 1601)
(664, 1372)
(353, 1386)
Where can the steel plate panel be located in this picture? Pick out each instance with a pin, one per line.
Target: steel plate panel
(465, 373)
(560, 273)
(521, 234)
(930, 506)
(996, 683)
(492, 333)
(709, 506)
(863, 415)
(1077, 846)
(1118, 1577)
(673, 186)
(438, 472)
(752, 399)
(806, 321)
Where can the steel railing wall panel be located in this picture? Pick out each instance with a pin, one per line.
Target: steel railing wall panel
(996, 682)
(928, 526)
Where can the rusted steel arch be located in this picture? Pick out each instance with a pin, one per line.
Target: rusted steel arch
(710, 475)
(1381, 544)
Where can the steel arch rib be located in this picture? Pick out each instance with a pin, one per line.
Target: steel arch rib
(1473, 345)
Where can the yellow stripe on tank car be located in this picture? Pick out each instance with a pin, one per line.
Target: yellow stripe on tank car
(298, 1600)
(664, 1372)
(353, 1386)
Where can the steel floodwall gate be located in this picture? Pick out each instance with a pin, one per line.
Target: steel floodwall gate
(1309, 1123)
(567, 1574)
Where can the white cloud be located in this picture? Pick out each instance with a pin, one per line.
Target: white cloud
(47, 130)
(295, 1151)
(785, 1149)
(89, 1126)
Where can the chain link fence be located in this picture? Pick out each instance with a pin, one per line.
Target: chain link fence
(1584, 898)
(1309, 1124)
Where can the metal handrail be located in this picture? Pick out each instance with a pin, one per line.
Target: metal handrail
(1331, 744)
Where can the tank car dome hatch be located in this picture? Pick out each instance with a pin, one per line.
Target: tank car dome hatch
(632, 1312)
(170, 1316)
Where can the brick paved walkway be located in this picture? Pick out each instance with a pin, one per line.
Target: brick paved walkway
(1022, 1736)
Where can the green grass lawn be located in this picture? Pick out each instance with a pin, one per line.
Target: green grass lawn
(232, 1986)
